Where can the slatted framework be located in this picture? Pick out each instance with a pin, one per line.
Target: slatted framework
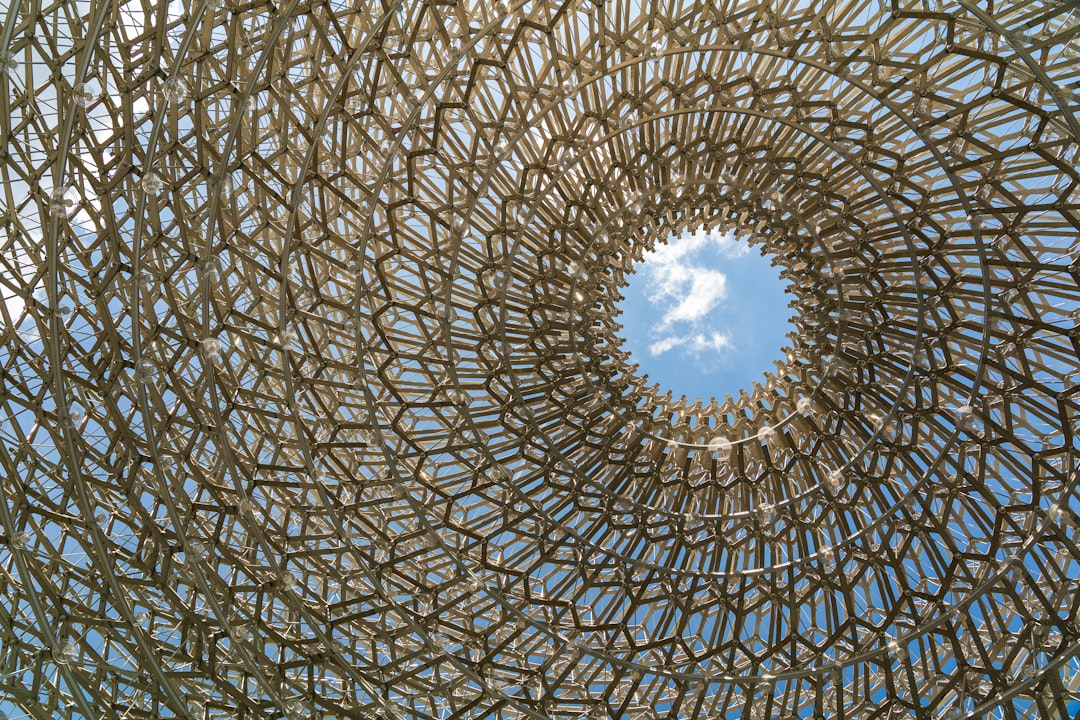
(315, 404)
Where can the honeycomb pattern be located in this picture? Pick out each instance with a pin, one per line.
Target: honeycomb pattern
(315, 403)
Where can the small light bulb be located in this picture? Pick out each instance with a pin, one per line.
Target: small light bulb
(828, 557)
(720, 447)
(146, 371)
(211, 348)
(63, 202)
(19, 540)
(886, 428)
(152, 184)
(965, 416)
(294, 709)
(71, 417)
(1056, 513)
(835, 482)
(86, 94)
(174, 90)
(66, 652)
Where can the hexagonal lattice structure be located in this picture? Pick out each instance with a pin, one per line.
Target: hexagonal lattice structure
(314, 402)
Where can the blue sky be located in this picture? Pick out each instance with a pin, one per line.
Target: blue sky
(705, 315)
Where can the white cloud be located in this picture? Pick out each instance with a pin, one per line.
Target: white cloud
(696, 343)
(696, 292)
(686, 292)
(678, 248)
(662, 345)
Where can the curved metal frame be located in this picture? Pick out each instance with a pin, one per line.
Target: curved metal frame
(315, 403)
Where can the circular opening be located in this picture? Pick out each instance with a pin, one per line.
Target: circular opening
(705, 315)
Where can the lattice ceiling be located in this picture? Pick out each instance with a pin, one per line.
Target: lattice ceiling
(315, 403)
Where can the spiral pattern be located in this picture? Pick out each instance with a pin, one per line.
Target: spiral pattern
(316, 403)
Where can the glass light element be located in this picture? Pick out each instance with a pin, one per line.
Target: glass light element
(227, 187)
(66, 652)
(175, 91)
(19, 540)
(285, 338)
(887, 428)
(295, 710)
(151, 183)
(457, 396)
(965, 417)
(833, 365)
(64, 202)
(576, 272)
(86, 93)
(1057, 514)
(71, 416)
(211, 348)
(720, 447)
(835, 482)
(146, 371)
(197, 551)
(8, 63)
